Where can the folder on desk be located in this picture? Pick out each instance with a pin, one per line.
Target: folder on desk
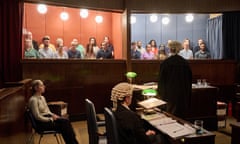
(151, 103)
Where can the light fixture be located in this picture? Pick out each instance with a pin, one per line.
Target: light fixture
(42, 8)
(153, 18)
(99, 19)
(64, 16)
(189, 18)
(130, 76)
(133, 20)
(165, 20)
(84, 13)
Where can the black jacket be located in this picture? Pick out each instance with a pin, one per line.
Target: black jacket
(175, 85)
(130, 127)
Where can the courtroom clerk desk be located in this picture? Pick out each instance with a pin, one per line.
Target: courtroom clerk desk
(235, 133)
(203, 105)
(205, 138)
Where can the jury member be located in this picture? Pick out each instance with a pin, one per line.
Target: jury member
(28, 36)
(73, 52)
(29, 51)
(109, 45)
(46, 51)
(47, 40)
(104, 52)
(202, 53)
(186, 52)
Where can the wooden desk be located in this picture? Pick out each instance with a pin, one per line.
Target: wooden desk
(203, 105)
(235, 133)
(205, 138)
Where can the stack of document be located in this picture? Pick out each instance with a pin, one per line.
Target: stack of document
(152, 117)
(151, 103)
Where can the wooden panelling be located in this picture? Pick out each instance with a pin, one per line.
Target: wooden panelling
(216, 72)
(13, 126)
(74, 80)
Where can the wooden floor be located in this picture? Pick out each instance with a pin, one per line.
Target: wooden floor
(80, 128)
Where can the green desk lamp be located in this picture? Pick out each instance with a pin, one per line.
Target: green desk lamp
(149, 93)
(130, 76)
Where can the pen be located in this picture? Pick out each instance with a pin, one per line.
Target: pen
(178, 130)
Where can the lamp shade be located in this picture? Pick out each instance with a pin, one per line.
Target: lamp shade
(149, 92)
(131, 74)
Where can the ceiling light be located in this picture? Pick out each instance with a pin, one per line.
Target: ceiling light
(99, 19)
(153, 18)
(42, 8)
(133, 20)
(189, 18)
(64, 16)
(165, 20)
(84, 13)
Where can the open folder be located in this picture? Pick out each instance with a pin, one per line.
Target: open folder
(151, 103)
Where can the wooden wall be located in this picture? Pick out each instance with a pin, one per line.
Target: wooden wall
(14, 127)
(74, 80)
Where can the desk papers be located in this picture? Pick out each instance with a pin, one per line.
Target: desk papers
(176, 130)
(143, 87)
(151, 103)
(168, 125)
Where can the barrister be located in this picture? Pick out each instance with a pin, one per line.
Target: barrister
(175, 82)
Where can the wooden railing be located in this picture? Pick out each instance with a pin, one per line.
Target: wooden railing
(72, 81)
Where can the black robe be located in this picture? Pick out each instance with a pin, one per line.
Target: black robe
(175, 85)
(130, 127)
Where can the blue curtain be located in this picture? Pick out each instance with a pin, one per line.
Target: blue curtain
(214, 37)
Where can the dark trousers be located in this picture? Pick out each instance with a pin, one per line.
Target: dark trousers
(61, 125)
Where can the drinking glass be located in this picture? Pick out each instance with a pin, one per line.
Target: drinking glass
(204, 83)
(199, 82)
(199, 126)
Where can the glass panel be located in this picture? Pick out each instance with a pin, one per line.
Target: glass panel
(64, 28)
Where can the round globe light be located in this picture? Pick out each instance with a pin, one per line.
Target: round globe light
(99, 19)
(153, 18)
(64, 16)
(84, 13)
(189, 18)
(42, 8)
(165, 20)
